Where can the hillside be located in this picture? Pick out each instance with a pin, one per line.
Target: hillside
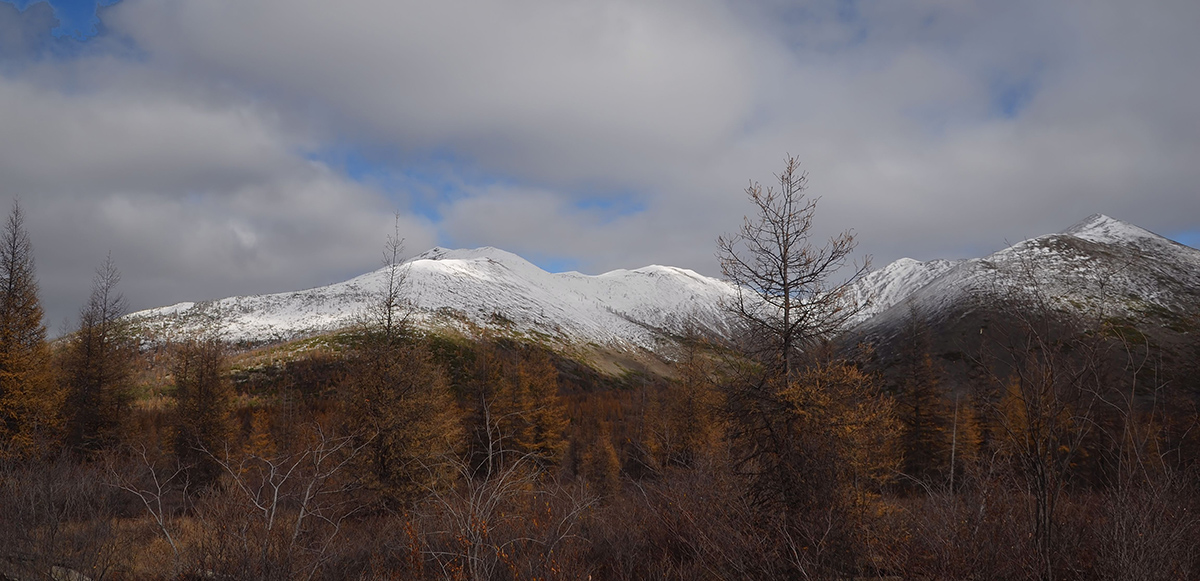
(1099, 270)
(470, 290)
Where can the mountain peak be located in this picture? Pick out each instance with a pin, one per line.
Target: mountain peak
(1147, 270)
(484, 252)
(1103, 229)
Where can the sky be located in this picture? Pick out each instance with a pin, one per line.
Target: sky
(228, 147)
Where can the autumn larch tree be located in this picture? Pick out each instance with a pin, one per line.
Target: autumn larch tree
(204, 399)
(811, 432)
(684, 421)
(786, 297)
(515, 408)
(397, 399)
(98, 366)
(29, 399)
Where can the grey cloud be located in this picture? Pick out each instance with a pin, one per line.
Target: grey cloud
(193, 201)
(24, 34)
(111, 140)
(191, 156)
(550, 91)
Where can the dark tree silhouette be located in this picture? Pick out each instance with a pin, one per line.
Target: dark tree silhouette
(98, 366)
(786, 296)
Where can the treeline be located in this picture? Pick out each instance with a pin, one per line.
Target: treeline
(384, 453)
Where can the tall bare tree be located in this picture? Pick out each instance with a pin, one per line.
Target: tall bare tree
(387, 315)
(811, 433)
(786, 292)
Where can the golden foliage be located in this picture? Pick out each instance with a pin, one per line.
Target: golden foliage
(30, 401)
(839, 403)
(515, 405)
(398, 400)
(684, 421)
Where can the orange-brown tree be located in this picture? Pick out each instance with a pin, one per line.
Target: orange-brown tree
(685, 422)
(204, 401)
(97, 366)
(515, 408)
(811, 432)
(396, 398)
(30, 402)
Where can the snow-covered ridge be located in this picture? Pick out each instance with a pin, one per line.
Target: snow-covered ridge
(1100, 265)
(1104, 230)
(471, 289)
(881, 289)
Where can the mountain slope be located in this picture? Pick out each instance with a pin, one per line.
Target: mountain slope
(471, 289)
(1100, 269)
(881, 289)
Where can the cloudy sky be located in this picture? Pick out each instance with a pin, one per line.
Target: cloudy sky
(221, 147)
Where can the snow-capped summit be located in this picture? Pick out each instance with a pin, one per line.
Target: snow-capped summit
(484, 252)
(471, 289)
(1102, 229)
(1100, 266)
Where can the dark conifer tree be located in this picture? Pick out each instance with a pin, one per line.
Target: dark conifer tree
(98, 366)
(204, 398)
(924, 414)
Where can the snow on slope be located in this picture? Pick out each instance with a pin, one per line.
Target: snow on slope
(1098, 265)
(1104, 230)
(881, 289)
(483, 287)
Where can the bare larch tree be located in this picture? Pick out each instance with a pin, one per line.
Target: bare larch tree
(786, 295)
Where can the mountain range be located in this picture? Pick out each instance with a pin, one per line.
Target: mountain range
(1100, 268)
(472, 290)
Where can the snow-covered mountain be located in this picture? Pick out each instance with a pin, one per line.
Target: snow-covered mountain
(1100, 267)
(879, 290)
(473, 289)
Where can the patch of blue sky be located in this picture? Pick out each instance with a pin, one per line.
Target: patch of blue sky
(350, 162)
(420, 191)
(77, 19)
(1010, 96)
(422, 184)
(1189, 238)
(610, 208)
(553, 263)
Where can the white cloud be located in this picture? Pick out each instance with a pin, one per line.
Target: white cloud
(932, 128)
(193, 201)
